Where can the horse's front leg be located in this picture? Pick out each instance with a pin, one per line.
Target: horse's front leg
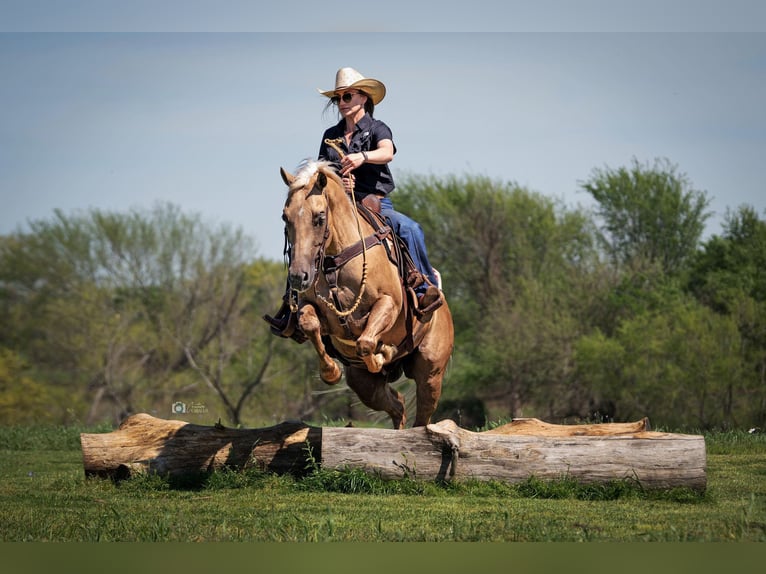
(308, 321)
(383, 315)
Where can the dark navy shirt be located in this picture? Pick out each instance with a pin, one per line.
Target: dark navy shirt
(370, 178)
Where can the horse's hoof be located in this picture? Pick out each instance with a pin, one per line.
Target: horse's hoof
(364, 348)
(331, 376)
(374, 362)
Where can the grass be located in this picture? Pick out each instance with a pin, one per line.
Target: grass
(44, 496)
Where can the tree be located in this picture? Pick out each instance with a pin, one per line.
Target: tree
(648, 213)
(487, 238)
(520, 272)
(680, 365)
(129, 309)
(729, 275)
(523, 353)
(732, 265)
(243, 355)
(23, 400)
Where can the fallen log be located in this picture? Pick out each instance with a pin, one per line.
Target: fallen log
(441, 451)
(145, 444)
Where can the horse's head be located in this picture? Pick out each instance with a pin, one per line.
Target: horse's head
(307, 220)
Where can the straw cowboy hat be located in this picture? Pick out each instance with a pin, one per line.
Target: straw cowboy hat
(349, 78)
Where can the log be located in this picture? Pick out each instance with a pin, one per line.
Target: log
(145, 444)
(512, 453)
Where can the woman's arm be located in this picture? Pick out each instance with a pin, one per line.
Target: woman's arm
(383, 154)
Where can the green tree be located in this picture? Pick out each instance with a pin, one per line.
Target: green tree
(23, 400)
(680, 366)
(128, 310)
(522, 360)
(648, 212)
(750, 316)
(488, 238)
(729, 275)
(522, 275)
(733, 265)
(244, 356)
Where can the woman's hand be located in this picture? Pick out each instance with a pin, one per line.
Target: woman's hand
(350, 162)
(348, 183)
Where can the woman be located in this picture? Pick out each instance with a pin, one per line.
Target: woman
(366, 147)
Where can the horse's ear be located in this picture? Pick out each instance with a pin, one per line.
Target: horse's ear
(286, 177)
(322, 180)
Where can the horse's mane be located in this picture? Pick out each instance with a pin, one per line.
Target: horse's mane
(310, 167)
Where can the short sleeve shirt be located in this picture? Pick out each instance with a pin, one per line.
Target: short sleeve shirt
(370, 178)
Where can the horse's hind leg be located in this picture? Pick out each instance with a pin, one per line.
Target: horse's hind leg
(428, 364)
(428, 385)
(375, 392)
(308, 321)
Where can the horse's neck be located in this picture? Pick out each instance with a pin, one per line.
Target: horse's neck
(346, 223)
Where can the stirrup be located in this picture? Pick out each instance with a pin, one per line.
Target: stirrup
(285, 324)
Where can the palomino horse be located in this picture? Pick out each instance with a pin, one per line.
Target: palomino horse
(356, 309)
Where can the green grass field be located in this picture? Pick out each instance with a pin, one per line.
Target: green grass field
(44, 496)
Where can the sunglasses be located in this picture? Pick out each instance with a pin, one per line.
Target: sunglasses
(347, 97)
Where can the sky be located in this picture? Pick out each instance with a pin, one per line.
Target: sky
(108, 108)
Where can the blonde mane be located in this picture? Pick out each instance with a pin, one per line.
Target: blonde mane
(308, 168)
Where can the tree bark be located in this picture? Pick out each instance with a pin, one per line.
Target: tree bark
(442, 451)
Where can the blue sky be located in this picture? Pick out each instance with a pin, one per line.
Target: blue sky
(116, 118)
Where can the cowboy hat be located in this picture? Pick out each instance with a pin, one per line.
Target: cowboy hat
(349, 78)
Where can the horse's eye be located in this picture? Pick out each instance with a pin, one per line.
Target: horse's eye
(319, 219)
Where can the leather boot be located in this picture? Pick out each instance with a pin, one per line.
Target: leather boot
(429, 302)
(285, 323)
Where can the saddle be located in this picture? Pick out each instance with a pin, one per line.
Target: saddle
(411, 277)
(371, 202)
(369, 208)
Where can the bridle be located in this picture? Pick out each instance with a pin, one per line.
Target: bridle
(320, 258)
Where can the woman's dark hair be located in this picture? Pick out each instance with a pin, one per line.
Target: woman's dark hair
(369, 107)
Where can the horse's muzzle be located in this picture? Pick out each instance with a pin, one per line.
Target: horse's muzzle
(300, 281)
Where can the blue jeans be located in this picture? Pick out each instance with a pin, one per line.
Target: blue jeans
(412, 234)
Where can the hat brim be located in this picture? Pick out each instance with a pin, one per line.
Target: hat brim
(373, 88)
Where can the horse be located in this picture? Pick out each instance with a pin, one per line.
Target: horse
(356, 308)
